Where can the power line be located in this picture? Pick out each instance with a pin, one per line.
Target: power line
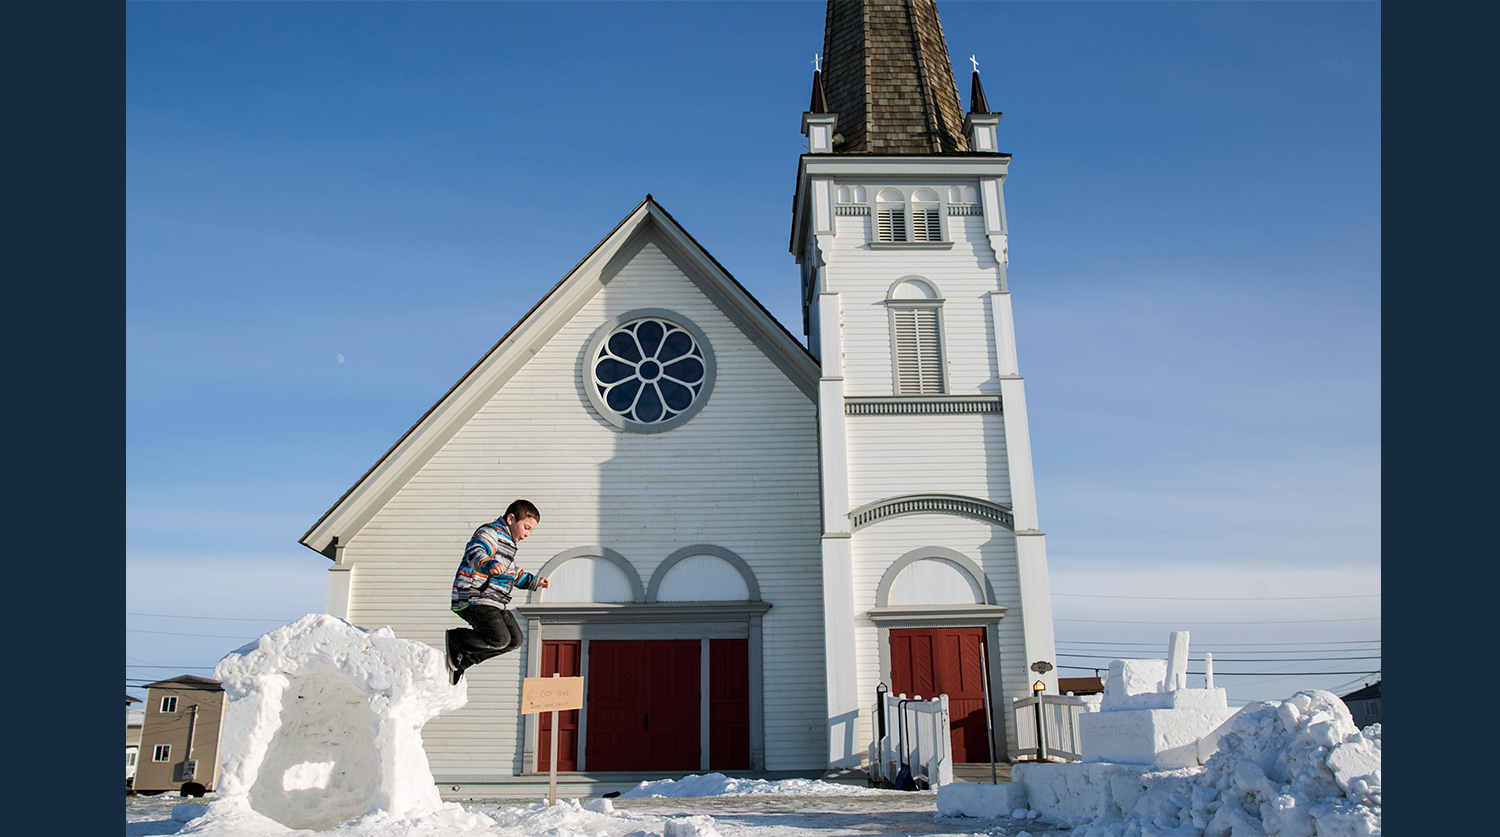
(1226, 644)
(1220, 598)
(1290, 675)
(1207, 622)
(1347, 684)
(1257, 659)
(203, 636)
(215, 618)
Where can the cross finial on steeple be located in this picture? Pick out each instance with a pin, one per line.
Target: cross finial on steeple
(975, 62)
(817, 63)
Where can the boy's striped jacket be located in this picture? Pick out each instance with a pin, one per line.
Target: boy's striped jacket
(488, 572)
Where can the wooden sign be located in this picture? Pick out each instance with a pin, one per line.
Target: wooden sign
(551, 694)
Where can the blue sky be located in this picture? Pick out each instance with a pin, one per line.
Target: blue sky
(333, 210)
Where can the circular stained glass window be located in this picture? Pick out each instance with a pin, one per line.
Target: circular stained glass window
(649, 374)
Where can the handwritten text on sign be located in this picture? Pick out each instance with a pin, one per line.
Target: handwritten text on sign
(551, 694)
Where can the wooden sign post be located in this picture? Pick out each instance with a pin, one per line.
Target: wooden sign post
(551, 694)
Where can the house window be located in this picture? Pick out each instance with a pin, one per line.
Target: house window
(130, 758)
(163, 752)
(169, 703)
(890, 216)
(916, 337)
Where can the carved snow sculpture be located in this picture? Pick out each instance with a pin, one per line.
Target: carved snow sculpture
(1292, 768)
(1149, 717)
(323, 725)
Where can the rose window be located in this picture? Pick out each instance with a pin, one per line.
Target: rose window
(651, 371)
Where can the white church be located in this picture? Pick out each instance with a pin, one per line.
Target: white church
(747, 533)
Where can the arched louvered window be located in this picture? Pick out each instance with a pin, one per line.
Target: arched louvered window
(926, 216)
(916, 337)
(890, 216)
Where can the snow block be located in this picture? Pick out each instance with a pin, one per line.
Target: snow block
(1074, 794)
(1133, 677)
(1356, 765)
(323, 724)
(1198, 700)
(1165, 739)
(975, 799)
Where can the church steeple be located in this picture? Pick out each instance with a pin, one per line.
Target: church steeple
(977, 103)
(888, 78)
(980, 125)
(818, 124)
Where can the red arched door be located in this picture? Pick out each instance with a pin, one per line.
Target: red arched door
(946, 661)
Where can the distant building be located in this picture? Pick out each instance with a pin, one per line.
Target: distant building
(1364, 705)
(179, 739)
(135, 716)
(1080, 685)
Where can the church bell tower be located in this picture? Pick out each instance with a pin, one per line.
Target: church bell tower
(934, 567)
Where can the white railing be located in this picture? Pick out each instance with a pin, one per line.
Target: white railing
(1058, 729)
(917, 743)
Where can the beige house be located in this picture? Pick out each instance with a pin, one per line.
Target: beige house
(179, 739)
(135, 716)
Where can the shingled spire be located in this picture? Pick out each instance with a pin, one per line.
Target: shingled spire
(888, 77)
(977, 102)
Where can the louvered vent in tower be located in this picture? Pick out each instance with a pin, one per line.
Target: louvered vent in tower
(890, 216)
(926, 219)
(919, 361)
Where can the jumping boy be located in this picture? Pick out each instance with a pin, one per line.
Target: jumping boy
(482, 589)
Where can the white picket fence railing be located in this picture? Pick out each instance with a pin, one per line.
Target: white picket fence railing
(916, 738)
(1059, 727)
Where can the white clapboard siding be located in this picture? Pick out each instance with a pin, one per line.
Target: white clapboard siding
(892, 455)
(965, 275)
(742, 475)
(877, 547)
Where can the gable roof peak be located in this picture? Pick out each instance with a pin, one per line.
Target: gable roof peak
(648, 223)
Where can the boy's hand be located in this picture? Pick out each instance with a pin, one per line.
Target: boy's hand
(542, 582)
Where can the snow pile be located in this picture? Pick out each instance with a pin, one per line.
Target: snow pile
(717, 784)
(1294, 768)
(323, 725)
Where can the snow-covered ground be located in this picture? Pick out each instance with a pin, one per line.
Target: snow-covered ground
(743, 808)
(321, 736)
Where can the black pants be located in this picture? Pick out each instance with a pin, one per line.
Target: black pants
(494, 632)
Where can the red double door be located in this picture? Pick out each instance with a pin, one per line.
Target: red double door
(946, 661)
(644, 703)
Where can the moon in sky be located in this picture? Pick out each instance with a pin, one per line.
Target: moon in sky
(341, 358)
